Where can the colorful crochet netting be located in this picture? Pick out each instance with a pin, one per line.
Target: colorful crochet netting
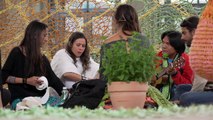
(201, 51)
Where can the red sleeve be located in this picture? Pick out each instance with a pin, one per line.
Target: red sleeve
(187, 76)
(159, 61)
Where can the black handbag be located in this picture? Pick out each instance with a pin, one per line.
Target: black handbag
(88, 93)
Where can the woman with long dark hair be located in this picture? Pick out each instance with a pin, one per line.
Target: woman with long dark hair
(127, 28)
(126, 22)
(74, 63)
(26, 64)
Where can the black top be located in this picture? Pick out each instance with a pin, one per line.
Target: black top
(0, 82)
(14, 66)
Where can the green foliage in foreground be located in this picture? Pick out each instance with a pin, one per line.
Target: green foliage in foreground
(81, 112)
(129, 61)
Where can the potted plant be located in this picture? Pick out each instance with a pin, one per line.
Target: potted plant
(128, 68)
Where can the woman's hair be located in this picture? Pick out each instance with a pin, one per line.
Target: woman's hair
(126, 16)
(31, 47)
(85, 58)
(175, 40)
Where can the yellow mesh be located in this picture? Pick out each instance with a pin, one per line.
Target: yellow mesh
(201, 51)
(66, 16)
(62, 17)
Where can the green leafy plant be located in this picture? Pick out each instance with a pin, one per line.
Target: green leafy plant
(129, 61)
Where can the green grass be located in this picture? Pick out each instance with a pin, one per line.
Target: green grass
(83, 113)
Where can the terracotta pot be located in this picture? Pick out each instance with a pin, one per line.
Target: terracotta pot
(127, 95)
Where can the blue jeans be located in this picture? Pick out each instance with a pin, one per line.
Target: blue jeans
(196, 98)
(179, 90)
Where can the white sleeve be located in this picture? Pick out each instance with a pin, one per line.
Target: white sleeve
(62, 63)
(93, 70)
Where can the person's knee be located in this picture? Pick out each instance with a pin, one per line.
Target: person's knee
(6, 96)
(184, 100)
(184, 87)
(181, 89)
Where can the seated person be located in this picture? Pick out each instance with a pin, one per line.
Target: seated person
(188, 28)
(173, 49)
(26, 64)
(74, 63)
(126, 23)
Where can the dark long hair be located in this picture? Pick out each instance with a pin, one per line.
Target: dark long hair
(85, 58)
(126, 16)
(175, 40)
(31, 45)
(190, 23)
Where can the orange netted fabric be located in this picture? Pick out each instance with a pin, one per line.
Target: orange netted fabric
(201, 51)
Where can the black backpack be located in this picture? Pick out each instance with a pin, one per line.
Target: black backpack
(88, 93)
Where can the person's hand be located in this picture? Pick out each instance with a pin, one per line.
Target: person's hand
(34, 81)
(97, 76)
(153, 80)
(172, 71)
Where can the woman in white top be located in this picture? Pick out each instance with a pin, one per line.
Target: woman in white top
(74, 63)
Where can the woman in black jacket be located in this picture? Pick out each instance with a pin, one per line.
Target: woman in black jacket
(25, 64)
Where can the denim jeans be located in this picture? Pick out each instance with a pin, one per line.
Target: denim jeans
(179, 90)
(196, 98)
